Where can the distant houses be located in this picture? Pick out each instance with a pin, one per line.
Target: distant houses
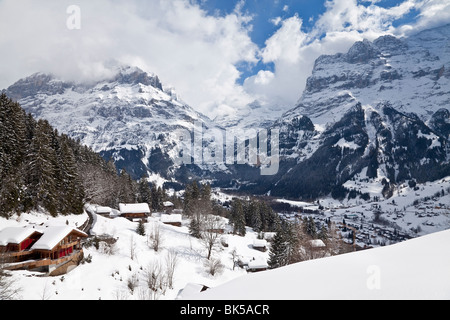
(141, 211)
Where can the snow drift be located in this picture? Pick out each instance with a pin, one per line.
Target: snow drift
(417, 269)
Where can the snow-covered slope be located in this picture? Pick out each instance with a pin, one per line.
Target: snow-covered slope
(416, 269)
(109, 272)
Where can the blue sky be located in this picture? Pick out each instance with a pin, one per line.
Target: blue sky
(264, 11)
(264, 24)
(268, 14)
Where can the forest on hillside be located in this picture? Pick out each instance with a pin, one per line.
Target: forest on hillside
(41, 169)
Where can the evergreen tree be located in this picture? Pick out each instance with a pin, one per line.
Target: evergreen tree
(278, 251)
(41, 179)
(310, 227)
(144, 192)
(237, 217)
(195, 226)
(141, 228)
(71, 194)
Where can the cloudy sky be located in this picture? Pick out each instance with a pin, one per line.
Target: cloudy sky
(219, 55)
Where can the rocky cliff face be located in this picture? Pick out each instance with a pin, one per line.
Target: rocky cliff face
(380, 113)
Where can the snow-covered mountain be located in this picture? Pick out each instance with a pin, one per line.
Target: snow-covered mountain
(379, 112)
(130, 117)
(412, 74)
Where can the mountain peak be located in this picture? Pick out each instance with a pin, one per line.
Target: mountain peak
(362, 52)
(134, 75)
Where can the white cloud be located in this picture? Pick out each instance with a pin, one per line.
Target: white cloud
(276, 21)
(188, 49)
(293, 52)
(194, 52)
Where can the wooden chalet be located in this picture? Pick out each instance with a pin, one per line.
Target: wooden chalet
(172, 219)
(257, 265)
(58, 242)
(168, 207)
(15, 243)
(103, 211)
(44, 250)
(260, 245)
(134, 211)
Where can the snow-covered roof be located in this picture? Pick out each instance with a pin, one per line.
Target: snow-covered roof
(168, 204)
(170, 218)
(259, 243)
(317, 243)
(103, 210)
(52, 236)
(259, 263)
(15, 235)
(191, 288)
(134, 208)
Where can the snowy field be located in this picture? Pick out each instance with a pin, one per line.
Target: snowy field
(416, 269)
(107, 276)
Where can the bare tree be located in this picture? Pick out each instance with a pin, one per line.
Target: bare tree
(210, 234)
(132, 282)
(8, 289)
(132, 248)
(234, 257)
(335, 240)
(155, 280)
(171, 264)
(214, 266)
(155, 238)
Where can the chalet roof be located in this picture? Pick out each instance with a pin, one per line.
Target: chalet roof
(168, 204)
(171, 218)
(317, 243)
(258, 263)
(134, 208)
(103, 210)
(259, 243)
(15, 235)
(191, 288)
(53, 235)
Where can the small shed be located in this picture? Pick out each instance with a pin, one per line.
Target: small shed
(257, 265)
(168, 207)
(134, 211)
(317, 244)
(260, 244)
(172, 219)
(103, 211)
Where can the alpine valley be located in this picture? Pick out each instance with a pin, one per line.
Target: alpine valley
(377, 114)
